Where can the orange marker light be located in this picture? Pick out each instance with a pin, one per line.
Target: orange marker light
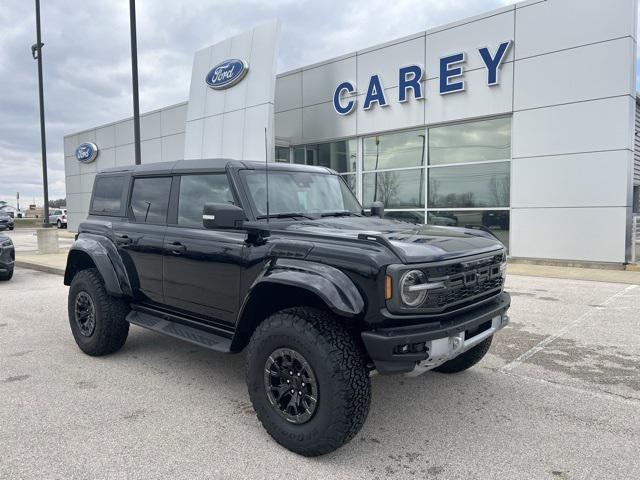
(387, 288)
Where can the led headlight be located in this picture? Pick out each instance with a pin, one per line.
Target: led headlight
(411, 296)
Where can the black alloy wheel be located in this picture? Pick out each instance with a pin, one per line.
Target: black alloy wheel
(85, 313)
(291, 385)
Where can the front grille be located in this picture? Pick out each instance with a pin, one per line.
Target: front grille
(464, 282)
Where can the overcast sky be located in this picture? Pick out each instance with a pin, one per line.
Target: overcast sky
(87, 65)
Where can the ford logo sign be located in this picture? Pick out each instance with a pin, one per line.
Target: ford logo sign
(227, 74)
(86, 152)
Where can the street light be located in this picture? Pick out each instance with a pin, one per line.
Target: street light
(36, 53)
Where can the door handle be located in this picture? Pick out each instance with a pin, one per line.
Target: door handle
(176, 248)
(123, 239)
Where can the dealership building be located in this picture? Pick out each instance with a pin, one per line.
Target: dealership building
(522, 119)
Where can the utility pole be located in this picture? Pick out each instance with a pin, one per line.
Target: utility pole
(134, 78)
(36, 52)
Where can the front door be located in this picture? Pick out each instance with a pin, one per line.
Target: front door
(140, 237)
(201, 266)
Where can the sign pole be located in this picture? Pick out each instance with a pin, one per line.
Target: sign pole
(134, 75)
(36, 52)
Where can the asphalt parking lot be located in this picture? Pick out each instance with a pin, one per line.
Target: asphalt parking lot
(558, 397)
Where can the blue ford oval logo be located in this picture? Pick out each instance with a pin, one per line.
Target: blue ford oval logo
(86, 152)
(227, 73)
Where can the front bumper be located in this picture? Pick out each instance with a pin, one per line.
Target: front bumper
(431, 344)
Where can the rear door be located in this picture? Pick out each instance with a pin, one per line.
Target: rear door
(202, 266)
(140, 236)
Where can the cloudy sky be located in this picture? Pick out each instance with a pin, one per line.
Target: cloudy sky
(87, 64)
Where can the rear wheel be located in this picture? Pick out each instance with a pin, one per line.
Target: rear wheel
(97, 320)
(307, 380)
(59, 224)
(467, 359)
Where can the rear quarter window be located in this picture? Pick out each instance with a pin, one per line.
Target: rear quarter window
(107, 195)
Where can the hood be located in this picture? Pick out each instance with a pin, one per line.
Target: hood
(411, 243)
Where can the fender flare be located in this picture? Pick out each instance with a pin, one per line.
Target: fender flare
(331, 285)
(104, 255)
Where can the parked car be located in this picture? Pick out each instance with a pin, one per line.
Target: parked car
(6, 221)
(58, 217)
(319, 294)
(7, 257)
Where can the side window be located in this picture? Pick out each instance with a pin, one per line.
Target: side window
(195, 191)
(107, 195)
(150, 198)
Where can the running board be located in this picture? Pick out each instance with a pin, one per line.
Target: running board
(183, 332)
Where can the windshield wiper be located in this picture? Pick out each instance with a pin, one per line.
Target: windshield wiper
(342, 213)
(286, 215)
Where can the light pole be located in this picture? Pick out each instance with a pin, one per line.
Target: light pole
(36, 52)
(134, 78)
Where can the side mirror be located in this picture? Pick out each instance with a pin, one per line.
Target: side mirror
(377, 209)
(222, 215)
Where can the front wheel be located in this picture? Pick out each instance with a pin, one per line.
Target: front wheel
(307, 380)
(98, 321)
(467, 359)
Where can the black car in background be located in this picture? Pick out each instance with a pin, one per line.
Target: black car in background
(6, 221)
(7, 257)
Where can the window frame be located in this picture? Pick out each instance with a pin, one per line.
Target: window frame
(124, 196)
(130, 216)
(174, 199)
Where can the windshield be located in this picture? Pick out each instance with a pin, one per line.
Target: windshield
(302, 192)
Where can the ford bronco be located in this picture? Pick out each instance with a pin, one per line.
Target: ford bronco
(282, 261)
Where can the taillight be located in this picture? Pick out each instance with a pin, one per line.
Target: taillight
(64, 217)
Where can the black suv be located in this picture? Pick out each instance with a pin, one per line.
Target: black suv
(6, 221)
(283, 261)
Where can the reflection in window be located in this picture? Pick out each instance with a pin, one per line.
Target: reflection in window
(395, 150)
(495, 220)
(195, 191)
(483, 185)
(340, 156)
(107, 195)
(298, 155)
(399, 189)
(150, 198)
(470, 142)
(282, 154)
(351, 181)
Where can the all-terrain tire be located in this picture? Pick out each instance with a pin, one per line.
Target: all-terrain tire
(338, 362)
(466, 360)
(111, 328)
(6, 276)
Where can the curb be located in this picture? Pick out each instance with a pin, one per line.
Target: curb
(39, 267)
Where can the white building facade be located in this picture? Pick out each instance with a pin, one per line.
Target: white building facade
(521, 120)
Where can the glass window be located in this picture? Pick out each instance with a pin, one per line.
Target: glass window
(150, 198)
(299, 192)
(495, 220)
(195, 191)
(351, 181)
(396, 150)
(416, 216)
(470, 142)
(469, 186)
(340, 155)
(282, 154)
(298, 155)
(399, 189)
(107, 195)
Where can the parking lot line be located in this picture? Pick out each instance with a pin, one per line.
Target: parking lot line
(543, 343)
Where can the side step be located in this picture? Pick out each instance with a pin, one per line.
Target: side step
(177, 330)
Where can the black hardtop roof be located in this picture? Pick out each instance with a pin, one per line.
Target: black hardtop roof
(211, 164)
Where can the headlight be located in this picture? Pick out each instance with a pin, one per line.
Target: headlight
(412, 297)
(6, 243)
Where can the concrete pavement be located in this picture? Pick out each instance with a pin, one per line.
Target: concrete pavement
(557, 397)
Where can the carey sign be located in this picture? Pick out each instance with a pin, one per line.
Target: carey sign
(410, 78)
(86, 152)
(227, 74)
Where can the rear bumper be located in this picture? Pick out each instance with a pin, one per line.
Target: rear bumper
(433, 343)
